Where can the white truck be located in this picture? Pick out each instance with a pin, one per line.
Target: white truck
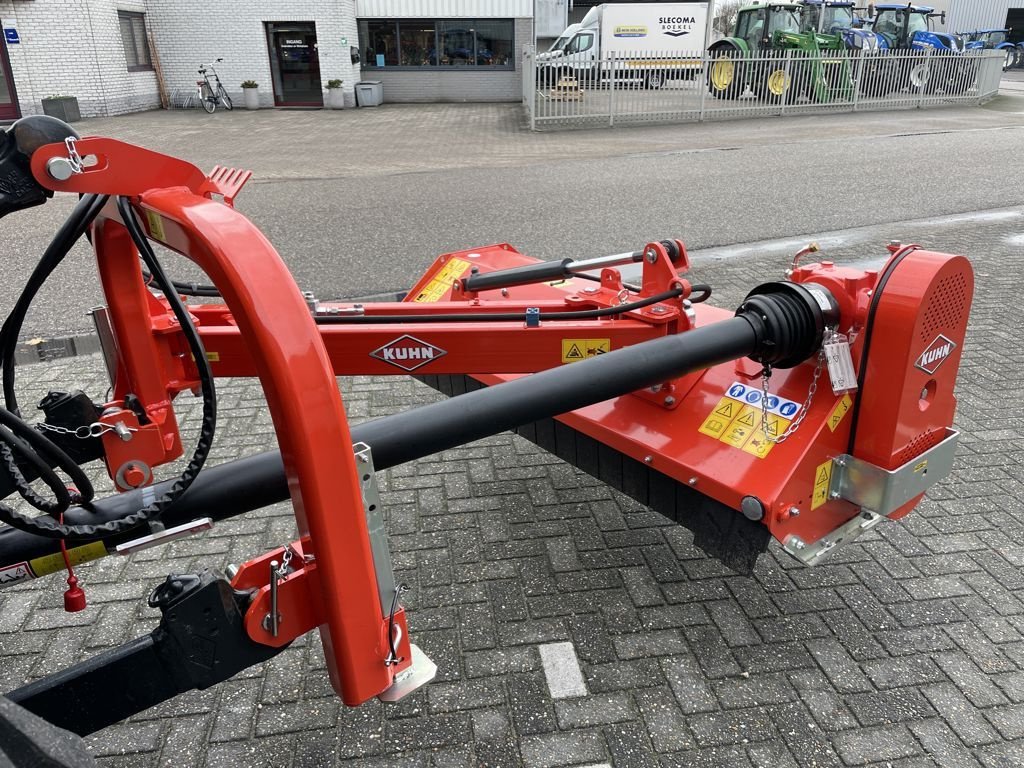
(649, 43)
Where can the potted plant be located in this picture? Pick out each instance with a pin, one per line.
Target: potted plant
(62, 107)
(251, 94)
(335, 96)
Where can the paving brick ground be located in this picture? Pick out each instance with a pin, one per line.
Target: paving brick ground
(906, 649)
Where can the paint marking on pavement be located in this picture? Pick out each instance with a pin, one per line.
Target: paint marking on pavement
(562, 670)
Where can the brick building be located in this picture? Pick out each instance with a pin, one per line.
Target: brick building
(114, 55)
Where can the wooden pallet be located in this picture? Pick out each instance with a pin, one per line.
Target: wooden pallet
(566, 89)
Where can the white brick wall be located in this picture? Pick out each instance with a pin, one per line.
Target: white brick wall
(191, 32)
(73, 48)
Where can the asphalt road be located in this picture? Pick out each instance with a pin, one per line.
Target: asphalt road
(360, 202)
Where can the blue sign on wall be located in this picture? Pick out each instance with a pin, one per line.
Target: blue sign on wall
(11, 35)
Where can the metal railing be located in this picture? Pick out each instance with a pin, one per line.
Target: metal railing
(667, 87)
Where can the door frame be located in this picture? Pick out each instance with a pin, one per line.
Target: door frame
(268, 29)
(7, 73)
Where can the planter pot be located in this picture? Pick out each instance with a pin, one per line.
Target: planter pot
(64, 108)
(251, 98)
(335, 98)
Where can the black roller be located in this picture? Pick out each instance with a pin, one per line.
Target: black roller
(772, 324)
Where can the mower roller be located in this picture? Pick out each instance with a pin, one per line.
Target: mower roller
(820, 407)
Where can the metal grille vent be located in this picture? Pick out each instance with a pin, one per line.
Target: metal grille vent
(919, 445)
(946, 307)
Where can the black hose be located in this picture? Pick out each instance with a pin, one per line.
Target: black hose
(72, 229)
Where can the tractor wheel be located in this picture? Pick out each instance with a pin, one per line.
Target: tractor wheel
(921, 77)
(878, 76)
(1009, 59)
(777, 85)
(725, 75)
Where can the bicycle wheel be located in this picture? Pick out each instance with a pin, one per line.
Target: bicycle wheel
(207, 98)
(224, 98)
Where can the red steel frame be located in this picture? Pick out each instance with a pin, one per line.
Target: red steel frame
(265, 328)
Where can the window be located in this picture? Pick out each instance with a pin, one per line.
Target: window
(582, 42)
(437, 43)
(133, 37)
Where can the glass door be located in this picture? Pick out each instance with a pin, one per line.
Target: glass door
(294, 63)
(8, 98)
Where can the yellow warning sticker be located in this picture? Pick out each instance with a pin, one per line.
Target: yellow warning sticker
(739, 425)
(213, 357)
(156, 225)
(839, 411)
(921, 466)
(441, 283)
(822, 478)
(758, 443)
(42, 566)
(720, 418)
(741, 428)
(574, 350)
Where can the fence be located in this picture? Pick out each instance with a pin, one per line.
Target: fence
(660, 87)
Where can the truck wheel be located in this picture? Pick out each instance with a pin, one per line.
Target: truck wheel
(725, 76)
(655, 79)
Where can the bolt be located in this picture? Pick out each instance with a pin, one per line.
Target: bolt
(659, 310)
(799, 544)
(670, 401)
(504, 292)
(134, 477)
(693, 481)
(794, 511)
(835, 495)
(651, 256)
(924, 393)
(648, 459)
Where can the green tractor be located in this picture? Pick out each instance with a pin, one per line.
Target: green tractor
(757, 55)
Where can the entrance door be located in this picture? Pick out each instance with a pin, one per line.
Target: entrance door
(294, 63)
(8, 98)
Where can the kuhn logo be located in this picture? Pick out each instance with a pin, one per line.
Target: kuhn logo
(408, 353)
(936, 354)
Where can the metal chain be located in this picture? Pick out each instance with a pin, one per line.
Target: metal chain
(792, 428)
(84, 432)
(286, 558)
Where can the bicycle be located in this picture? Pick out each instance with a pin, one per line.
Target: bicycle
(210, 94)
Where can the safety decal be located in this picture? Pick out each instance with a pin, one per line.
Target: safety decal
(841, 409)
(787, 409)
(574, 350)
(47, 564)
(408, 353)
(935, 354)
(739, 425)
(441, 283)
(822, 478)
(156, 226)
(11, 574)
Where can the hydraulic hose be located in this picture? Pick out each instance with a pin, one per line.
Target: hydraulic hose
(773, 321)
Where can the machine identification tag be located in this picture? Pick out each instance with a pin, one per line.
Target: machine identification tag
(840, 364)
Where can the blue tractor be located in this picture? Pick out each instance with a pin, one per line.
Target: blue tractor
(908, 27)
(994, 39)
(837, 18)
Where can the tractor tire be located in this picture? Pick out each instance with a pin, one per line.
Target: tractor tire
(921, 76)
(726, 76)
(776, 86)
(1009, 59)
(878, 77)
